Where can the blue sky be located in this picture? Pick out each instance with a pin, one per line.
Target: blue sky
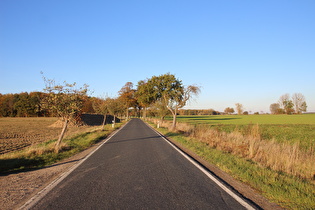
(240, 51)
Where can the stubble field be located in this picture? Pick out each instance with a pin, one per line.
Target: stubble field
(19, 133)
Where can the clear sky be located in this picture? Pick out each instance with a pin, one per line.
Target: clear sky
(239, 51)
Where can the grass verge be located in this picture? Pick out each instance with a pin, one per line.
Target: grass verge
(43, 154)
(286, 190)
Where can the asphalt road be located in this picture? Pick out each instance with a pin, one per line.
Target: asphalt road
(137, 169)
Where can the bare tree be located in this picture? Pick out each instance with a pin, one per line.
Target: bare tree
(239, 108)
(298, 100)
(283, 100)
(286, 103)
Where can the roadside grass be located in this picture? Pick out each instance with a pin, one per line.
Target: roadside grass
(292, 129)
(287, 190)
(43, 154)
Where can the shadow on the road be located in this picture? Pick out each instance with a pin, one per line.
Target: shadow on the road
(28, 163)
(135, 139)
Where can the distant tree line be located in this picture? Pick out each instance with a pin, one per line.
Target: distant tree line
(289, 105)
(30, 105)
(157, 96)
(198, 112)
(160, 95)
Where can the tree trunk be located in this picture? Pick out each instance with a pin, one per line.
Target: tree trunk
(174, 119)
(144, 113)
(61, 136)
(104, 121)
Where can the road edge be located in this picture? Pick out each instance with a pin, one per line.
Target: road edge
(39, 195)
(244, 191)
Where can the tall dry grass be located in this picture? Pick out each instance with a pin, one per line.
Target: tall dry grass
(282, 157)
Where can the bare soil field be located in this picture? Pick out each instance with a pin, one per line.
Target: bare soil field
(18, 133)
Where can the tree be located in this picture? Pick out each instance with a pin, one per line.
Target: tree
(229, 110)
(114, 107)
(160, 110)
(144, 95)
(286, 104)
(274, 108)
(66, 101)
(239, 108)
(288, 107)
(298, 100)
(127, 97)
(283, 100)
(23, 106)
(172, 93)
(101, 107)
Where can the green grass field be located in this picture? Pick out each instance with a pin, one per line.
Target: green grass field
(281, 128)
(284, 188)
(308, 119)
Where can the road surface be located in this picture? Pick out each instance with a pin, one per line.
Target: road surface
(137, 169)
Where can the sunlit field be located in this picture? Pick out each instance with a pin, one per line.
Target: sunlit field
(266, 151)
(281, 128)
(247, 119)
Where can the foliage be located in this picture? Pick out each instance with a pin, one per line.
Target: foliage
(127, 97)
(229, 110)
(114, 107)
(21, 105)
(198, 112)
(144, 95)
(30, 105)
(239, 108)
(171, 93)
(274, 108)
(288, 106)
(66, 101)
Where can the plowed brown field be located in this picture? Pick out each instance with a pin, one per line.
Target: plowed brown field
(18, 133)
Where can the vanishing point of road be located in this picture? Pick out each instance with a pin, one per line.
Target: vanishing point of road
(137, 169)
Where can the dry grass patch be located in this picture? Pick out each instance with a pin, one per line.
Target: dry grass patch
(282, 172)
(284, 157)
